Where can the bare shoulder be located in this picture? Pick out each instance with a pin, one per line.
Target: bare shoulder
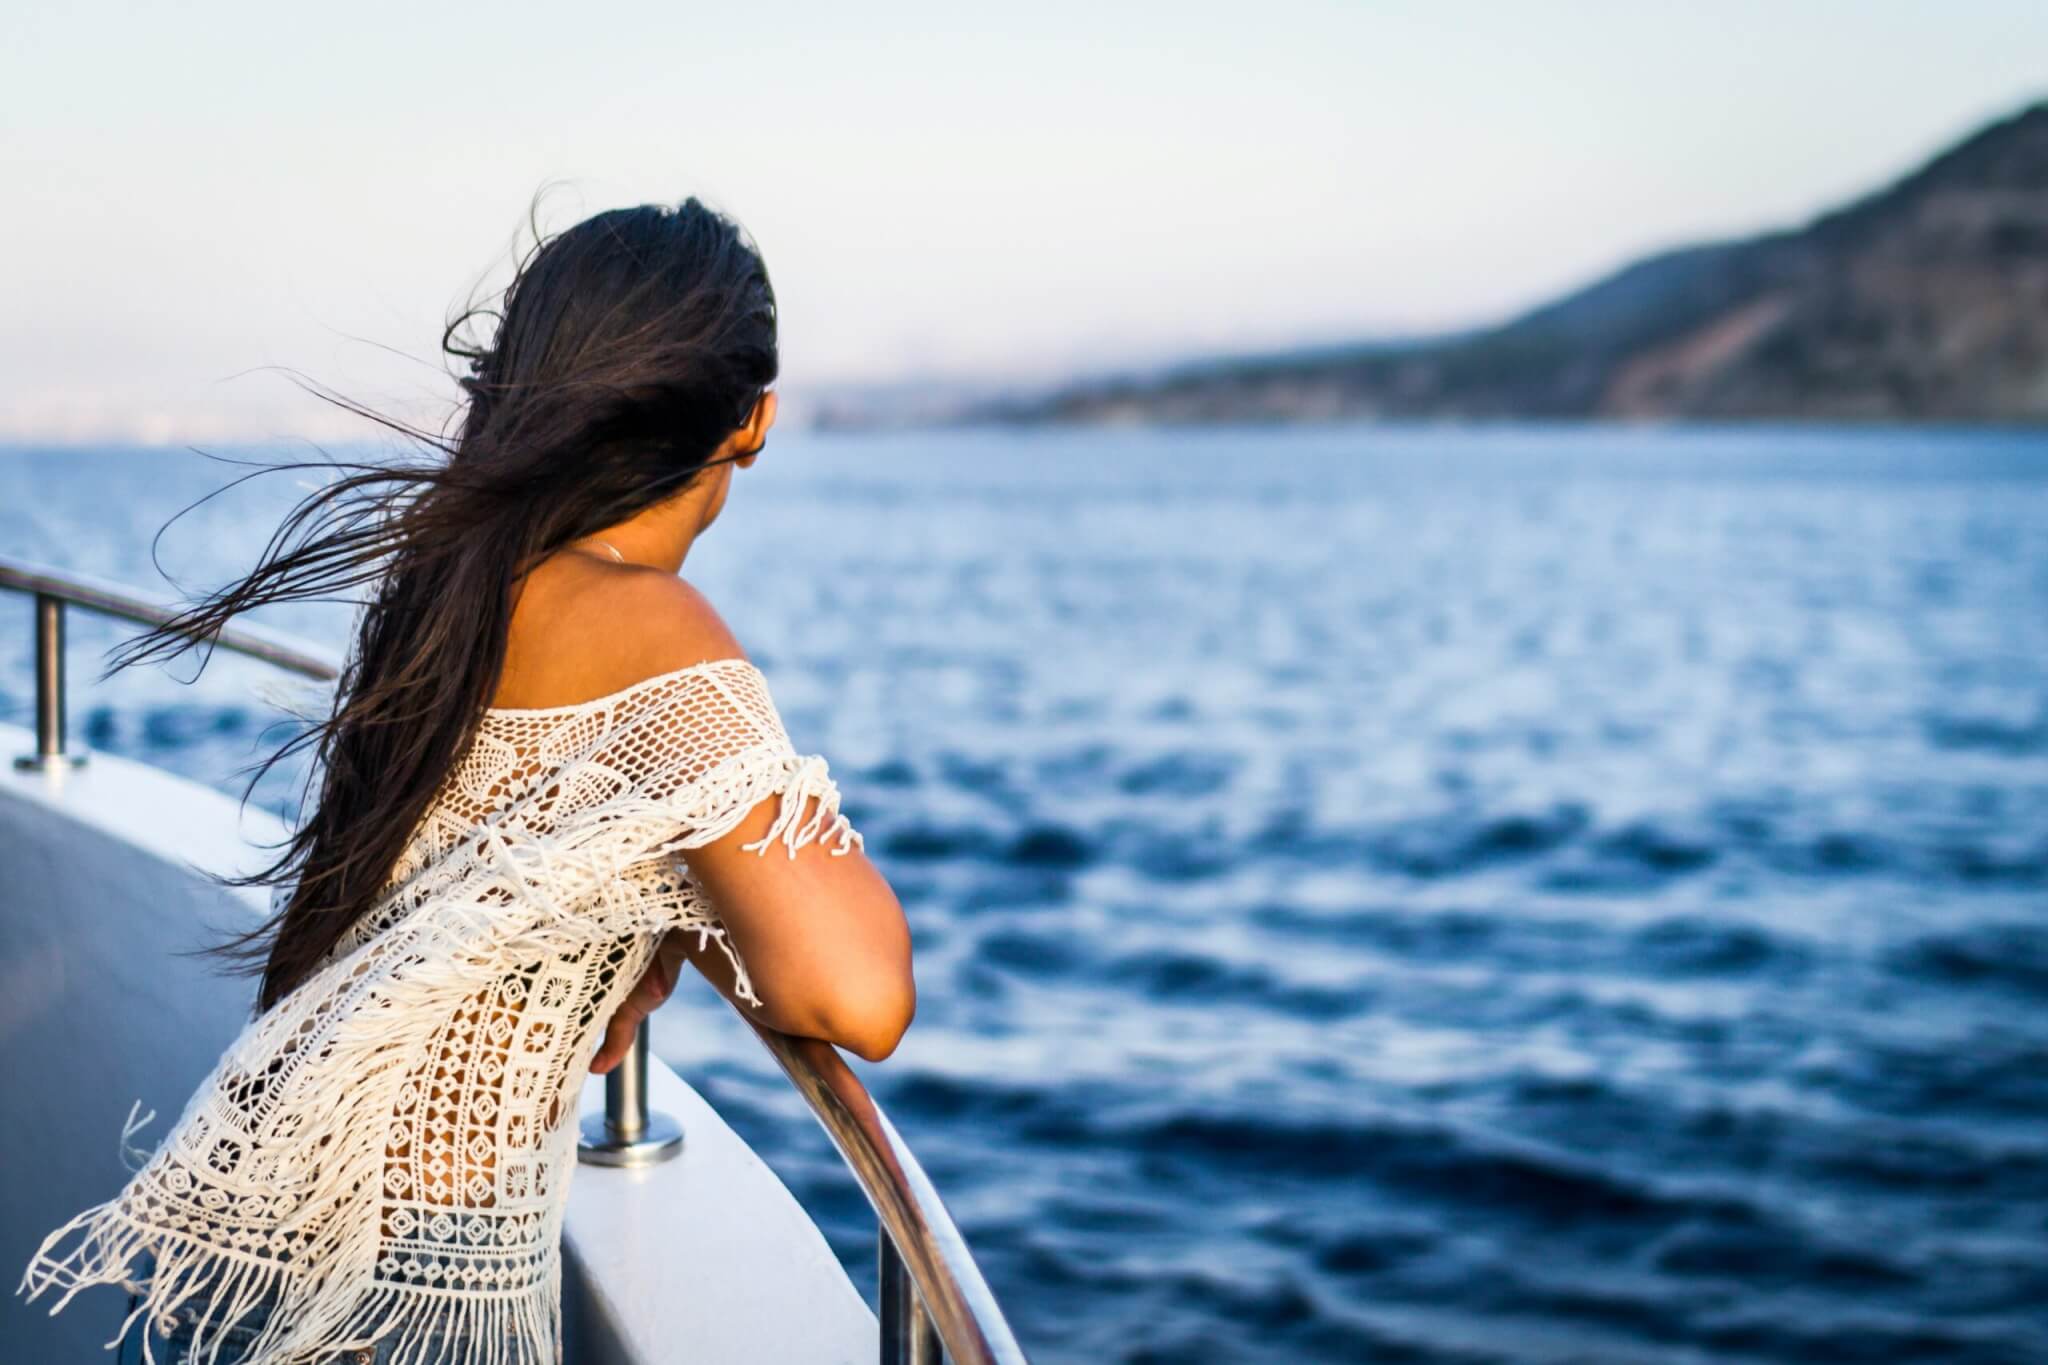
(661, 621)
(584, 630)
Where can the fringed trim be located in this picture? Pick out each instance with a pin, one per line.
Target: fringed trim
(134, 1158)
(811, 779)
(186, 1267)
(725, 799)
(425, 1327)
(216, 1288)
(742, 984)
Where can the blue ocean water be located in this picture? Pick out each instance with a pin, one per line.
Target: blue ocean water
(1406, 895)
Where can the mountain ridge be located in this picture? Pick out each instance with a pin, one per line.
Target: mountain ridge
(1925, 299)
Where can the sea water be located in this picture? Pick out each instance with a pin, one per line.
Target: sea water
(1421, 894)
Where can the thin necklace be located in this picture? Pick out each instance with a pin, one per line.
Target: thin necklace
(609, 546)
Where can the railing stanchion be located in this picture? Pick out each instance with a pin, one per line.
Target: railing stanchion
(49, 751)
(909, 1336)
(625, 1134)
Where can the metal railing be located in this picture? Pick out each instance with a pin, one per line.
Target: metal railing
(931, 1291)
(934, 1304)
(52, 590)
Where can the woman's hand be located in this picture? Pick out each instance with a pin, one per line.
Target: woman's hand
(648, 992)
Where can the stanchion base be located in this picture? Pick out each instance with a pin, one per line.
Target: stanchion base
(36, 763)
(661, 1140)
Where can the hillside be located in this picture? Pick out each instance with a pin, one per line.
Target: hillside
(1926, 301)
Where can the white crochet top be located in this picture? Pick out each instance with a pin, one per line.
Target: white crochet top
(387, 1151)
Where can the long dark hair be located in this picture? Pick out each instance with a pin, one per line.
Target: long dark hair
(628, 348)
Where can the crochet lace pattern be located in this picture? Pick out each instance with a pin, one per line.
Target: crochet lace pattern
(388, 1149)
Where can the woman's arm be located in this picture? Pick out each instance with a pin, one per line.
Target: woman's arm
(658, 982)
(822, 934)
(869, 1023)
(824, 938)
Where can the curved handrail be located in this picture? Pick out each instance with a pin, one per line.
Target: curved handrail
(965, 1312)
(914, 1222)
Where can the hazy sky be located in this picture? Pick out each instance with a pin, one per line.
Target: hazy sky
(947, 189)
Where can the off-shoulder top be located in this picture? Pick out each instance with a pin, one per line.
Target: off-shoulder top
(387, 1151)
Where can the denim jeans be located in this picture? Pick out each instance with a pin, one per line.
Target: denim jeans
(175, 1348)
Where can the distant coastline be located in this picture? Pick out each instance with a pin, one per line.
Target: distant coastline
(1925, 302)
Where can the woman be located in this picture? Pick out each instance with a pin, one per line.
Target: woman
(549, 778)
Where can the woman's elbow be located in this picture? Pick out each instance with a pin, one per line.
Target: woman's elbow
(871, 1025)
